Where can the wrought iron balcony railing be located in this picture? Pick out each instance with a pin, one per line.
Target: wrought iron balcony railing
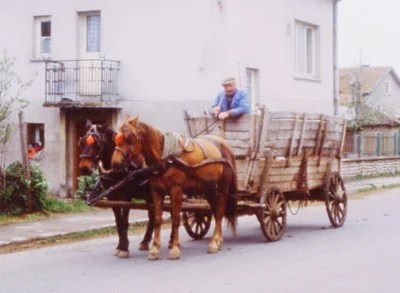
(81, 82)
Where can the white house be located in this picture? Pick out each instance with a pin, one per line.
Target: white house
(168, 55)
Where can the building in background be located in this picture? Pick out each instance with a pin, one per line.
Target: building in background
(157, 58)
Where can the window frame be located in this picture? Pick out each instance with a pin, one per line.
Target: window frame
(314, 53)
(253, 86)
(82, 41)
(37, 41)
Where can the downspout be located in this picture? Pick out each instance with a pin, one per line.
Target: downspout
(335, 61)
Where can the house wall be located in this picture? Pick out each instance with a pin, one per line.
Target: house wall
(174, 54)
(389, 102)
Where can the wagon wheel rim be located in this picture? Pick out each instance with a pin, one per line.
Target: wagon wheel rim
(196, 223)
(336, 200)
(273, 216)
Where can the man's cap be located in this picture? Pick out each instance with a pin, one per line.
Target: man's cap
(228, 80)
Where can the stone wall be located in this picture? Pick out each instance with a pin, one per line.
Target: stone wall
(370, 166)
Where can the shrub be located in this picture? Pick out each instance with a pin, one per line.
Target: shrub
(13, 193)
(86, 184)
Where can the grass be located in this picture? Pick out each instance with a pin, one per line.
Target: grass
(359, 177)
(52, 207)
(55, 205)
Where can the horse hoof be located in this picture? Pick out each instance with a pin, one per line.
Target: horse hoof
(174, 253)
(153, 256)
(123, 254)
(213, 249)
(116, 252)
(143, 246)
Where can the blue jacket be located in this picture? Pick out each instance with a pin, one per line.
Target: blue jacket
(240, 103)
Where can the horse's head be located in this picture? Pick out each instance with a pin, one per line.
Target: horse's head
(128, 143)
(91, 145)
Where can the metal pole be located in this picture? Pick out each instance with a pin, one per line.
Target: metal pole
(335, 61)
(25, 160)
(379, 145)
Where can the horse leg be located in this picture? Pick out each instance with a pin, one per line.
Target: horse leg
(158, 200)
(124, 253)
(219, 202)
(144, 245)
(176, 201)
(117, 215)
(171, 238)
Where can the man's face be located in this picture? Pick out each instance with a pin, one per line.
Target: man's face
(230, 89)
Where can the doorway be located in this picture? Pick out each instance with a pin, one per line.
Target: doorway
(76, 121)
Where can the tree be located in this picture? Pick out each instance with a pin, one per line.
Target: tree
(12, 88)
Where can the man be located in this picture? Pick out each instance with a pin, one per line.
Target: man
(232, 102)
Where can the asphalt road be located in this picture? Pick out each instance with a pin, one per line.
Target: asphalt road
(362, 256)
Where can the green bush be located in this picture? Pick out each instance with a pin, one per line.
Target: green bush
(86, 184)
(13, 193)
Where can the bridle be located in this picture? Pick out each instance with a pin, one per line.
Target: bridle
(126, 154)
(99, 141)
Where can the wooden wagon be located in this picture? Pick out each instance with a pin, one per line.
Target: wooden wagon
(280, 157)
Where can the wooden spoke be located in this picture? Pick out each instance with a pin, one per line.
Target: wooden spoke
(273, 217)
(197, 223)
(336, 200)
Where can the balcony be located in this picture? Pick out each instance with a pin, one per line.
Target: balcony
(82, 83)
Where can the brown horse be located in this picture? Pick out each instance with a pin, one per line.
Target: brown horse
(98, 146)
(185, 173)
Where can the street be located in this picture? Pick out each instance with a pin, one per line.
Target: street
(362, 256)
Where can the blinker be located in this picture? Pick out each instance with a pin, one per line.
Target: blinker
(90, 140)
(119, 139)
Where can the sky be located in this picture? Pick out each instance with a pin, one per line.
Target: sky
(374, 27)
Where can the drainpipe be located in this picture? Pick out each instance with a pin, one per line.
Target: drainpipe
(335, 61)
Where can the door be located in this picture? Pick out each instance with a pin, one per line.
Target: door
(90, 64)
(77, 120)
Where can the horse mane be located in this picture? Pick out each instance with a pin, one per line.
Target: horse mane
(153, 143)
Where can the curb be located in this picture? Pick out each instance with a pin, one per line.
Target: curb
(138, 222)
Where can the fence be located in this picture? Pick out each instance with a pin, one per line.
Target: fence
(360, 145)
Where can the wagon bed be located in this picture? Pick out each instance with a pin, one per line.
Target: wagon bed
(281, 157)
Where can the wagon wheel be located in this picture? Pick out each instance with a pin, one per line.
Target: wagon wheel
(273, 217)
(197, 223)
(336, 200)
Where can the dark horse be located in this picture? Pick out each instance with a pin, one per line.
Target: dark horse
(214, 176)
(98, 146)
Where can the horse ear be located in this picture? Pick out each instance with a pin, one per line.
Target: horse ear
(127, 117)
(135, 121)
(88, 124)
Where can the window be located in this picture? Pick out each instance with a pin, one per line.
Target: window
(35, 140)
(252, 86)
(306, 49)
(387, 88)
(90, 34)
(42, 36)
(93, 33)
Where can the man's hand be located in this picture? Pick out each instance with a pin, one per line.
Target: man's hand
(216, 110)
(223, 115)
